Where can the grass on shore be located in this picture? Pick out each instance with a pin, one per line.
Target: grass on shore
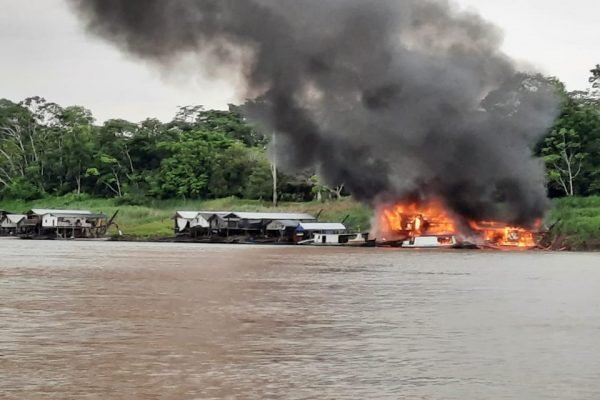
(154, 218)
(578, 221)
(579, 226)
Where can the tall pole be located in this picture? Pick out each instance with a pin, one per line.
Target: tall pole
(274, 169)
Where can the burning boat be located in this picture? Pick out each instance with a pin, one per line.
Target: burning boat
(431, 225)
(375, 123)
(430, 242)
(497, 235)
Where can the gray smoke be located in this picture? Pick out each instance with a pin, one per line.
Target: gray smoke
(396, 99)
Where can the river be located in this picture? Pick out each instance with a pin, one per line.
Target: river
(103, 320)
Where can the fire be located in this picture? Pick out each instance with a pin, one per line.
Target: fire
(403, 221)
(417, 220)
(498, 234)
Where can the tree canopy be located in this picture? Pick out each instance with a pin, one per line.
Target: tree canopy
(47, 149)
(572, 148)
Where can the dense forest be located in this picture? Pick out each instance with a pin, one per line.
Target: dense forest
(47, 149)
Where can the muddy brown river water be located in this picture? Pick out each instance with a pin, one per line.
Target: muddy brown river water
(81, 320)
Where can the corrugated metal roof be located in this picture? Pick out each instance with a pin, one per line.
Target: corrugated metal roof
(78, 215)
(208, 214)
(285, 223)
(272, 216)
(199, 221)
(44, 211)
(186, 214)
(204, 214)
(322, 226)
(15, 218)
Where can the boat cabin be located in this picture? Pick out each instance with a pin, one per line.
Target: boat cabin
(430, 242)
(254, 224)
(64, 224)
(340, 239)
(10, 224)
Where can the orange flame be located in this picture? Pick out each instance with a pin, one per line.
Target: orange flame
(499, 234)
(403, 221)
(408, 220)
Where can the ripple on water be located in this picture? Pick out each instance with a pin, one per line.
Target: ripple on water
(145, 321)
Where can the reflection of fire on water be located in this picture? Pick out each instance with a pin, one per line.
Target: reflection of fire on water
(405, 222)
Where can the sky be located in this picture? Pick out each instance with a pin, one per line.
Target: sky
(44, 51)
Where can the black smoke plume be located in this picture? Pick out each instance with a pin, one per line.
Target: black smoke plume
(396, 99)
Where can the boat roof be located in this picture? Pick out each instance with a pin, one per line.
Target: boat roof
(44, 211)
(204, 214)
(208, 214)
(271, 216)
(15, 218)
(186, 214)
(288, 223)
(322, 226)
(78, 215)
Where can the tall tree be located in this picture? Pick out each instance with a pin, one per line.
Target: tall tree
(579, 121)
(77, 145)
(564, 158)
(186, 172)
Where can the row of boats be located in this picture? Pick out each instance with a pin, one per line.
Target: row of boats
(224, 227)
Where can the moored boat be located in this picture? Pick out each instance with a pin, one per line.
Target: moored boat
(423, 242)
(342, 239)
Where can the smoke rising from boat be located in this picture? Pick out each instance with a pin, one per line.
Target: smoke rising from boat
(396, 99)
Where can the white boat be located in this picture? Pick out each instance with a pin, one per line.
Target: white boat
(342, 239)
(430, 242)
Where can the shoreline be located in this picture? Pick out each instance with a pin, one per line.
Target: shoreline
(580, 248)
(574, 222)
(129, 239)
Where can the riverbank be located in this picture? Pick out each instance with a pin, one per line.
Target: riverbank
(577, 223)
(577, 219)
(153, 221)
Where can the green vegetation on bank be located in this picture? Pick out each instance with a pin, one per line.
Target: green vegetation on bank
(59, 157)
(153, 219)
(577, 219)
(50, 150)
(577, 222)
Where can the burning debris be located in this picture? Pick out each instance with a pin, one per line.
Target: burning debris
(396, 99)
(499, 235)
(402, 223)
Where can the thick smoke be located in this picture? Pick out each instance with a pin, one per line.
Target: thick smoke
(396, 99)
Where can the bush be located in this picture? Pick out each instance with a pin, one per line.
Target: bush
(23, 189)
(579, 219)
(73, 198)
(259, 185)
(132, 200)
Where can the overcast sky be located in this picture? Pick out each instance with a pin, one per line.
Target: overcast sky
(43, 51)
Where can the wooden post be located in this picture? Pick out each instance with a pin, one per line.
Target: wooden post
(274, 169)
